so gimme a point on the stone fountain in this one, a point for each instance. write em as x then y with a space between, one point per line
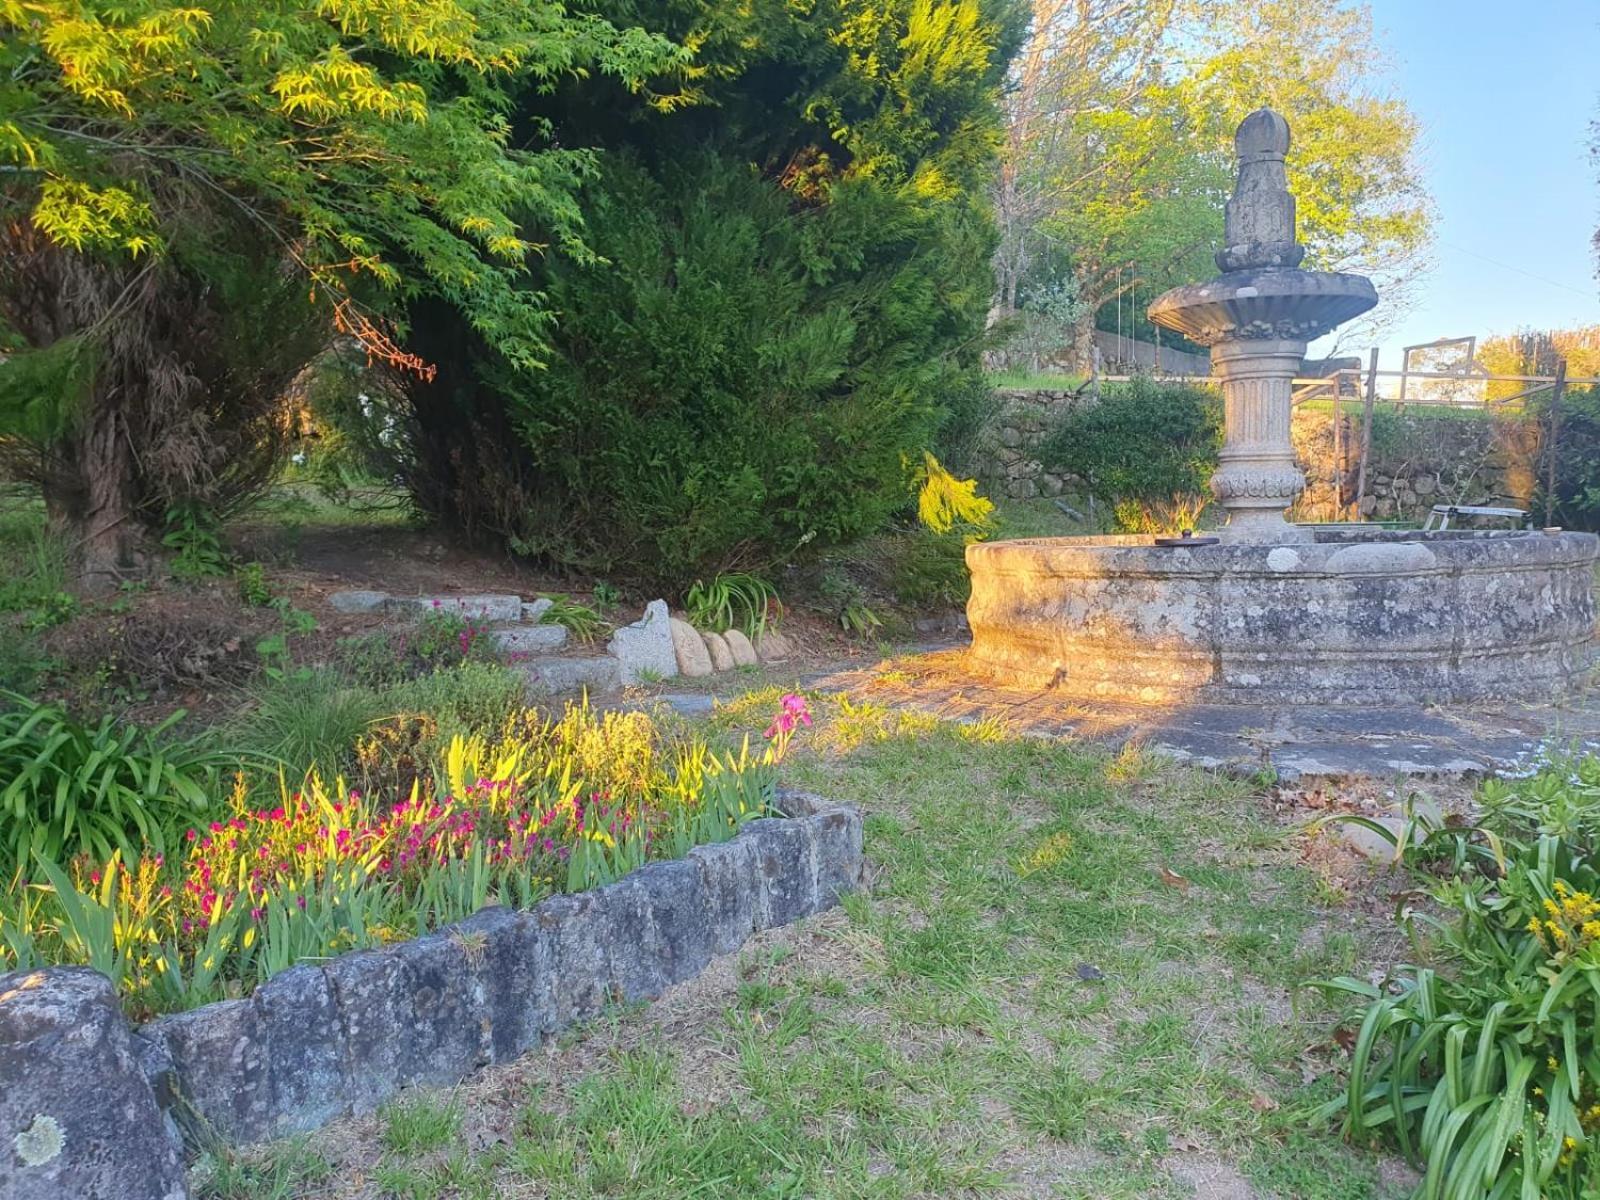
1274 612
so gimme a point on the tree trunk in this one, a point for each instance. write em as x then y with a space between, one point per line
1082 347
89 506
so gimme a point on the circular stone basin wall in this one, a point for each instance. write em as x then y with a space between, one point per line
1369 617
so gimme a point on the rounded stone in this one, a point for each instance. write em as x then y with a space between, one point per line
744 654
694 660
717 647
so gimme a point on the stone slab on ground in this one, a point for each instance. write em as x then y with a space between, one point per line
505 610
690 704
357 600
555 676
529 639
1288 742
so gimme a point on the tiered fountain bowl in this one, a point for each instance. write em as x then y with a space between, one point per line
1270 612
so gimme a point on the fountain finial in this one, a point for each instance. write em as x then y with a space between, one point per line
1259 219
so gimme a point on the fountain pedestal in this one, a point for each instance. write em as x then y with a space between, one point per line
1257 478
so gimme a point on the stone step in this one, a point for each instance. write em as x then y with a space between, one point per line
528 639
555 676
500 609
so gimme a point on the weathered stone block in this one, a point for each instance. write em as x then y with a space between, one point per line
448 1033
786 859
555 676
298 1021
730 876
837 832
356 600
625 924
680 913
529 639
580 967
223 1072
511 958
644 649
78 1120
372 994
499 609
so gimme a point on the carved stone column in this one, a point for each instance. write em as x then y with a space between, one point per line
1257 478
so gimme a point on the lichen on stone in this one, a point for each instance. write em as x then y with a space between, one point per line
39 1142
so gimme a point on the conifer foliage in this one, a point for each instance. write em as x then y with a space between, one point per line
785 303
157 159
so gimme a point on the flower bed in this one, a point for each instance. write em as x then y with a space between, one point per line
333 1034
549 806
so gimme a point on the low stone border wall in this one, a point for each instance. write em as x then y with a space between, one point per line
89 1108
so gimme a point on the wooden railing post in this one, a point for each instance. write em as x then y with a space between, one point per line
1366 430
1552 428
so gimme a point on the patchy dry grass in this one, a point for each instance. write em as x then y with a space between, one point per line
1072 976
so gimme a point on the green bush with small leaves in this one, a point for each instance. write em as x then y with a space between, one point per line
1143 440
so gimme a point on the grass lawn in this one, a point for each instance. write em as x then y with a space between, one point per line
1071 975
1035 380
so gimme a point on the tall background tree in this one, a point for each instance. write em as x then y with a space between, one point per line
193 200
785 308
1119 161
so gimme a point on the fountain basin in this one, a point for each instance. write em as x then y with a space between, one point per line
1350 618
1264 303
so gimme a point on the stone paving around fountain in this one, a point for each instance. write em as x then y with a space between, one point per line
1287 742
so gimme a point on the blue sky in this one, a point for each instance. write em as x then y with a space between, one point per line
1506 91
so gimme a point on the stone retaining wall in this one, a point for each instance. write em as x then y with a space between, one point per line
1005 449
321 1041
1436 457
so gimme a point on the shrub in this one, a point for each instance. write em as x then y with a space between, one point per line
307 719
733 384
928 570
1485 1065
95 789
469 698
785 307
1577 490
1141 441
548 805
